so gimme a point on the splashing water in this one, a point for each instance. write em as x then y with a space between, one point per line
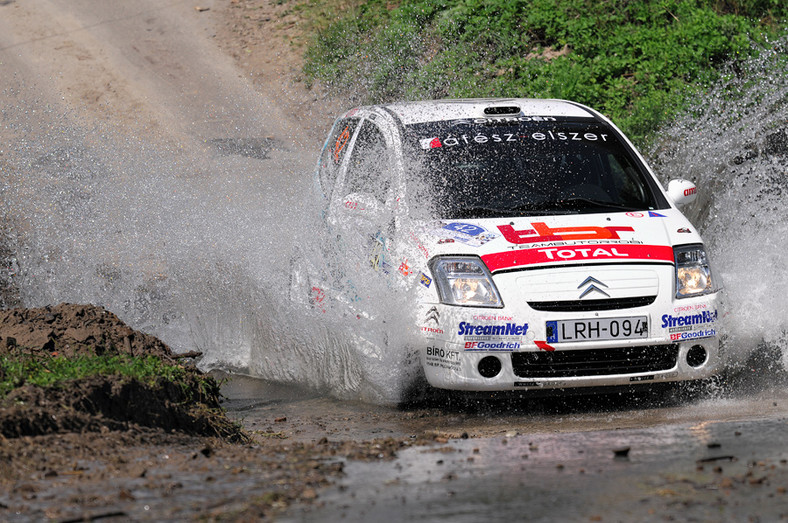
734 145
179 244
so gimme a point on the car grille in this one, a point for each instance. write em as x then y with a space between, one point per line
592 305
594 362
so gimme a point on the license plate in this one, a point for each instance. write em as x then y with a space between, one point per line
632 327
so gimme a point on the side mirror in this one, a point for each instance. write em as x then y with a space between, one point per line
682 192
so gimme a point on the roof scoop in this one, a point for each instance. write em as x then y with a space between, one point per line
499 110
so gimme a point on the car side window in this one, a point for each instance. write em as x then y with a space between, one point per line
629 187
369 170
334 152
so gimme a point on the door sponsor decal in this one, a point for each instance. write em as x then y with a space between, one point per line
340 144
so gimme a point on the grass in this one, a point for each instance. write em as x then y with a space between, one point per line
638 61
24 369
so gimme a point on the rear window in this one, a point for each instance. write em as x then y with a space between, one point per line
469 169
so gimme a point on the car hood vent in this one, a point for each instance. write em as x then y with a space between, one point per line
499 110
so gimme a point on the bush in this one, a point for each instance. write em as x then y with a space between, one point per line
634 60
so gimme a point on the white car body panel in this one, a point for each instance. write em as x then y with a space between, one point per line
602 270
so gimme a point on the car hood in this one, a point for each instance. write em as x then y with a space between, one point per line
525 242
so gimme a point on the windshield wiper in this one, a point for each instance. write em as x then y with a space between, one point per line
531 209
599 204
566 206
476 212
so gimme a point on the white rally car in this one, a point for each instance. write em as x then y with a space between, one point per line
542 250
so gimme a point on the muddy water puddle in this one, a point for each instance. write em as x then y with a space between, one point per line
294 413
706 470
289 412
602 458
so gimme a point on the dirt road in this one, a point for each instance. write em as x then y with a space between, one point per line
202 91
148 67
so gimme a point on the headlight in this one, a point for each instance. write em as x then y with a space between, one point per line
465 280
693 271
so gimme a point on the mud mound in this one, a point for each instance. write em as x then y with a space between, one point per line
189 405
68 330
117 402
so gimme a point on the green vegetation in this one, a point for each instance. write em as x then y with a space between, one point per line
24 369
635 60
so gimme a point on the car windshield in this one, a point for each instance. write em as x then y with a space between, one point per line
489 168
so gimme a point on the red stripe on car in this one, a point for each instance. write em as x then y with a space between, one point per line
574 253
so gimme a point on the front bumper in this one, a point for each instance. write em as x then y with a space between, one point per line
670 352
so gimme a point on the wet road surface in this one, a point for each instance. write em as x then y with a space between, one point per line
604 458
707 471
